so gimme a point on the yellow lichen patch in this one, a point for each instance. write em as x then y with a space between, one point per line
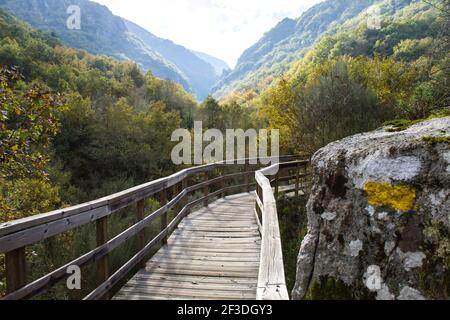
396 196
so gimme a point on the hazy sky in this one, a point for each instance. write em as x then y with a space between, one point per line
222 28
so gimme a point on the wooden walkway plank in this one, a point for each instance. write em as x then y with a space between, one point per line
213 254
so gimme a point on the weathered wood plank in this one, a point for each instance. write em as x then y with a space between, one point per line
217 234
15 269
203 257
219 228
131 294
194 279
207 240
230 214
206 272
191 253
209 263
218 249
271 279
102 238
196 286
244 294
209 252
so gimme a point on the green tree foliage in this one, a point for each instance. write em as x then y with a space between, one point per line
75 127
118 121
338 97
211 113
336 28
28 120
356 78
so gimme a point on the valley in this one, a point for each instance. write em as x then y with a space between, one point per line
91 112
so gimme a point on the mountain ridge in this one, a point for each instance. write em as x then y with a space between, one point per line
279 47
102 32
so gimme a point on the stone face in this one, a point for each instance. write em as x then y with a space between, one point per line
379 216
408 293
329 216
355 248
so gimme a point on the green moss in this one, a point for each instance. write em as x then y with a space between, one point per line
435 140
328 288
434 276
401 124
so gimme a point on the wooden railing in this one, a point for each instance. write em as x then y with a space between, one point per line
271 278
15 236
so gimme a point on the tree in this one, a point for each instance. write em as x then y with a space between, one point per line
28 121
211 113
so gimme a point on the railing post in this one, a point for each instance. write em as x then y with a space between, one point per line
206 191
277 184
297 180
184 185
247 180
163 202
15 269
174 194
222 184
140 214
102 238
260 197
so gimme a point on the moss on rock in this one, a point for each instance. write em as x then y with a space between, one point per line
437 249
401 125
328 288
436 140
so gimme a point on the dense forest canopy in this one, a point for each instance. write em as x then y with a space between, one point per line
359 77
111 124
114 122
342 26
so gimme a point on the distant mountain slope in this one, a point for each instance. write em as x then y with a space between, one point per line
101 33
104 33
200 74
273 54
219 65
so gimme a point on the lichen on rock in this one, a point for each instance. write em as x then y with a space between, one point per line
385 194
379 217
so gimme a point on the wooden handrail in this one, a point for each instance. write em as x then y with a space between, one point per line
16 235
271 277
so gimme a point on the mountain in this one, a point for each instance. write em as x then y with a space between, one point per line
201 74
273 54
104 33
219 65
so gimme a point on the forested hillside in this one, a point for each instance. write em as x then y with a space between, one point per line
376 26
200 74
273 53
77 126
358 78
104 33
112 121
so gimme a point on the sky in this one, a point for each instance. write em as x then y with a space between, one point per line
221 28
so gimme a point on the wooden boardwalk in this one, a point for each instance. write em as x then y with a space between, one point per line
213 254
230 249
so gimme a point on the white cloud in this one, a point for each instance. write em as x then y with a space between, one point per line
222 28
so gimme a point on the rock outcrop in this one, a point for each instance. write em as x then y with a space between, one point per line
379 217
